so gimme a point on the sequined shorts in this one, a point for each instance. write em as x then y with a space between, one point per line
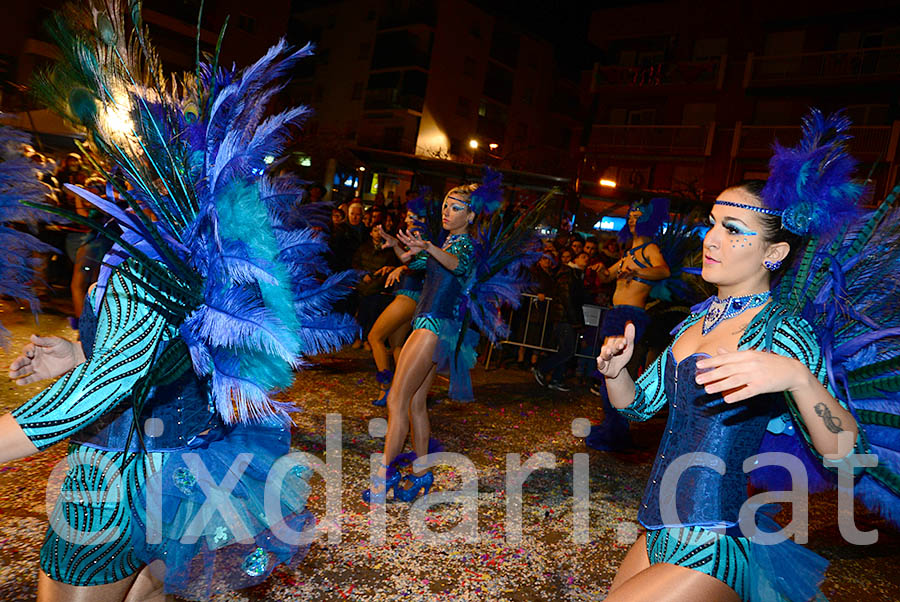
428 323
414 295
724 557
89 538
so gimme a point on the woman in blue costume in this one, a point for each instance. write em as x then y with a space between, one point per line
739 362
99 541
447 269
394 323
195 323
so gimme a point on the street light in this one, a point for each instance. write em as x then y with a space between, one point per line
473 144
361 168
493 146
608 183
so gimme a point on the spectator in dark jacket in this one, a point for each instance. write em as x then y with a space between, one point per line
569 317
374 264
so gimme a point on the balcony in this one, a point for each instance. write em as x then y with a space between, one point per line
869 143
421 12
689 140
393 99
663 75
839 66
387 140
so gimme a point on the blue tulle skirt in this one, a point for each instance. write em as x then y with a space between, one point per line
199 548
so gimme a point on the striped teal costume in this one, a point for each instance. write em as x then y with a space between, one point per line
98 528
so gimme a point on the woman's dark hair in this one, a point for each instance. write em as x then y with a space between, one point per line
773 231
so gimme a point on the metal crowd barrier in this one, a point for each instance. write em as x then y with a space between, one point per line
593 317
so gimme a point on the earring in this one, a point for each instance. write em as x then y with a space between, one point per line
772 265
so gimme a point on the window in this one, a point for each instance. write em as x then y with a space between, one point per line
364 49
246 23
464 107
482 109
642 117
469 66
710 48
521 131
357 91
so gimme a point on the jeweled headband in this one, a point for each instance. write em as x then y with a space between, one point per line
750 207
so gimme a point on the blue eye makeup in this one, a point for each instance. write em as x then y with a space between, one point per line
734 227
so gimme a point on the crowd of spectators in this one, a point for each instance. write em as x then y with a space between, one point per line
566 277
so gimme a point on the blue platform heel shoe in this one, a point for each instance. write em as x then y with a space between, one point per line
380 486
383 377
382 402
410 493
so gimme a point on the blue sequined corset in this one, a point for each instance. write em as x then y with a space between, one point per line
701 423
181 406
443 288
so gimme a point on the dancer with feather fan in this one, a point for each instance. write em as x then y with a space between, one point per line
807 367
196 322
467 279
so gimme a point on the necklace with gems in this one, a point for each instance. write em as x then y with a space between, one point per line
729 307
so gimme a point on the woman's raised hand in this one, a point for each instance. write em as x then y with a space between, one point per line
616 352
740 375
412 240
387 241
45 357
394 276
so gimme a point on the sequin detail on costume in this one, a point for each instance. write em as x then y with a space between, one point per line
255 563
184 480
730 307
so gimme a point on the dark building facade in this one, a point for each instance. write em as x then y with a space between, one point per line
687 97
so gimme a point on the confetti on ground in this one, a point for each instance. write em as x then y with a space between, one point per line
510 416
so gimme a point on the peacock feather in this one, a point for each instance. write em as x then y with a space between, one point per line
226 241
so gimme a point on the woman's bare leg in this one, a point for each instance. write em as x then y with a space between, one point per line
418 416
414 366
398 337
669 583
399 312
142 587
55 591
635 561
147 588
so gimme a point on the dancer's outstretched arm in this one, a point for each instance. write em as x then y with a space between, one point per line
448 259
45 357
128 331
14 443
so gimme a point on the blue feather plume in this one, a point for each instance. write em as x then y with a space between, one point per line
812 183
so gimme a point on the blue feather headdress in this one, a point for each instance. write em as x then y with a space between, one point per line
653 215
488 196
242 268
812 184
